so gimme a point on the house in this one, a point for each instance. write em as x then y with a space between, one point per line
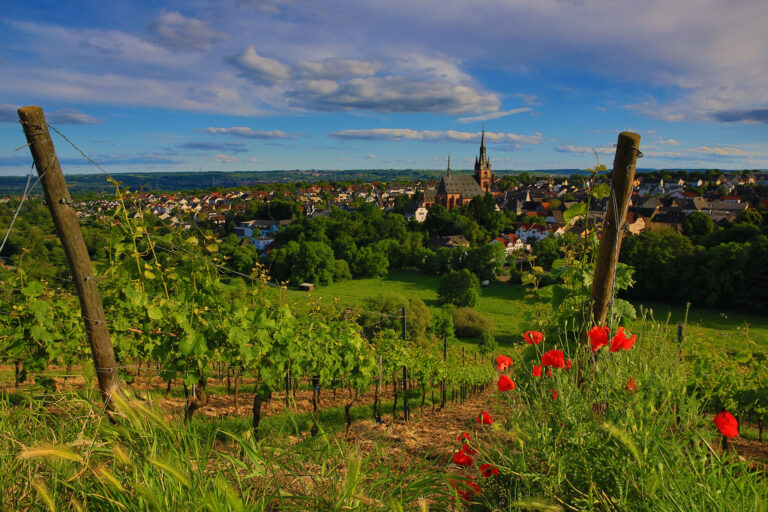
260 232
416 211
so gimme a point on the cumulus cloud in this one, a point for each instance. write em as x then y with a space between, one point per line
177 32
570 148
220 147
337 68
434 136
394 94
247 132
262 70
671 142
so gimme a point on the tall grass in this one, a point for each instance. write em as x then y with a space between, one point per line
601 446
67 456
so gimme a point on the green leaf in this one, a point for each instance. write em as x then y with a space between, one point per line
559 294
575 210
601 191
33 289
743 356
154 312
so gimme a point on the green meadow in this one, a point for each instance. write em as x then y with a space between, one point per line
505 304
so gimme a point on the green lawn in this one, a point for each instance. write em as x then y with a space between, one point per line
501 302
504 304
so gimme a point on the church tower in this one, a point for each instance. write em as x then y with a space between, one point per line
483 174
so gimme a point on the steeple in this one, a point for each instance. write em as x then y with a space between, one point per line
448 172
483 158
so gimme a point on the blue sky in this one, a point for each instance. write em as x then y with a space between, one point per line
298 84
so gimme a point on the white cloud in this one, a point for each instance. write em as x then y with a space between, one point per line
225 159
570 148
177 32
727 151
435 136
494 115
263 70
72 116
337 69
247 132
671 142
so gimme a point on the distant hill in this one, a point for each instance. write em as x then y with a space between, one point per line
173 181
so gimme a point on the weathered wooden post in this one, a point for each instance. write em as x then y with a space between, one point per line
623 177
60 204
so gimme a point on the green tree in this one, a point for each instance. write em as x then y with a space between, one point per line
698 225
369 263
547 250
460 288
315 264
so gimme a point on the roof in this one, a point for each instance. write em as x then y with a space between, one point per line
462 184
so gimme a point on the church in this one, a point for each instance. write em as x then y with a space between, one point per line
460 189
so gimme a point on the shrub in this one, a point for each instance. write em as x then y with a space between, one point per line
459 287
341 272
487 343
469 323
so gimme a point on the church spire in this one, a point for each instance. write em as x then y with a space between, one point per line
449 165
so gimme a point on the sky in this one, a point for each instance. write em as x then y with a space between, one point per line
235 85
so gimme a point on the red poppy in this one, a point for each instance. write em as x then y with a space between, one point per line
466 489
620 341
553 358
484 418
462 458
489 470
727 424
568 364
462 436
630 385
533 337
503 362
536 371
505 383
468 450
598 337
553 395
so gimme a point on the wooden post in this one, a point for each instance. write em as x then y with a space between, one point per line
627 151
406 411
60 204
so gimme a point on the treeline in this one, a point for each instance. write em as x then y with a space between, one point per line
724 267
368 242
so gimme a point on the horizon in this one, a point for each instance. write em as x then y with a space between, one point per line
259 85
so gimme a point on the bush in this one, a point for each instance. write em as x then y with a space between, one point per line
459 287
487 343
469 323
341 272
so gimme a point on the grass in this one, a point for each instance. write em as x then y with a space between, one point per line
501 302
505 304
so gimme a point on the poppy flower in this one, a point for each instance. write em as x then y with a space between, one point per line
553 358
727 424
598 337
505 383
489 470
620 341
568 364
484 418
462 436
503 362
630 385
468 450
466 489
533 337
462 458
553 394
536 371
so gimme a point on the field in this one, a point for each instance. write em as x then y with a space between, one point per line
505 304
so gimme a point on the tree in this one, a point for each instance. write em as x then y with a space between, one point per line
315 264
750 217
698 225
546 250
460 288
369 263
418 320
486 260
